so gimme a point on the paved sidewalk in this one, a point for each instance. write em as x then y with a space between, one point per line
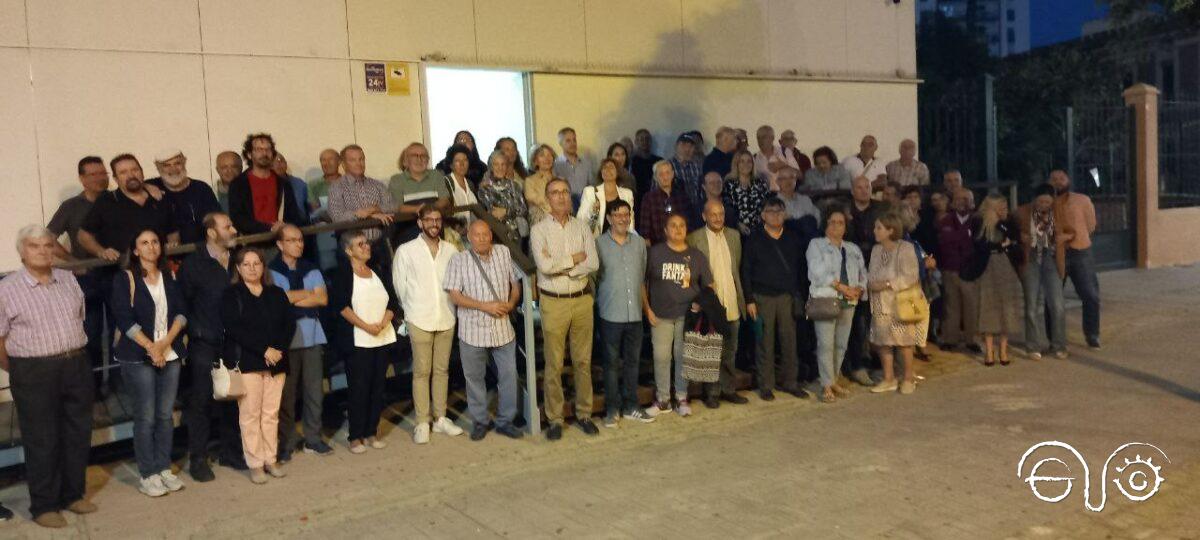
938 464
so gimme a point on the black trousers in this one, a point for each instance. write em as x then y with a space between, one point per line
366 370
203 410
54 409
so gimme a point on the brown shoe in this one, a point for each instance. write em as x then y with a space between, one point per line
82 507
275 470
257 475
51 520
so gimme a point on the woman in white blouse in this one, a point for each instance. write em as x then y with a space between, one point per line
460 186
595 198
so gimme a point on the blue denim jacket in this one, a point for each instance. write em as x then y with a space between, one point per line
825 264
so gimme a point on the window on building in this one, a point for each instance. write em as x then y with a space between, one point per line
1012 15
1012 36
455 103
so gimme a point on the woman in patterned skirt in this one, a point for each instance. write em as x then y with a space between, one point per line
893 269
1000 302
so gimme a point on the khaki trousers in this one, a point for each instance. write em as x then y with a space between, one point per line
567 321
431 354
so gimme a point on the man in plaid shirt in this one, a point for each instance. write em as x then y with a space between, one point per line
660 203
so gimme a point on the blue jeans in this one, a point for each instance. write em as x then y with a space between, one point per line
1081 268
153 392
1043 290
474 363
667 341
832 337
622 350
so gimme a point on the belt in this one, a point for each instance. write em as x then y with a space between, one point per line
585 292
61 356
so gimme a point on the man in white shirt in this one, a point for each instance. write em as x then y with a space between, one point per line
864 163
768 160
418 273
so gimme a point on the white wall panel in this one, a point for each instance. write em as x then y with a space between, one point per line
275 27
822 32
18 153
724 35
12 24
625 34
872 50
532 32
302 118
906 39
133 25
385 124
100 103
411 29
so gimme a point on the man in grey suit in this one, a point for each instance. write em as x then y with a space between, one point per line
723 248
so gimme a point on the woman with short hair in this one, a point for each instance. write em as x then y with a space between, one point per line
620 155
542 159
894 268
504 199
476 166
826 174
835 270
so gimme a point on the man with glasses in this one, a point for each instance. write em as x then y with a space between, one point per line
418 274
417 185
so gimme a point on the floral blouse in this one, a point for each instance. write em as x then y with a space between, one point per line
505 193
747 200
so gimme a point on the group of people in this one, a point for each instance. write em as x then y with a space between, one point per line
792 262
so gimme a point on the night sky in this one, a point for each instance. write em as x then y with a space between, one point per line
1052 21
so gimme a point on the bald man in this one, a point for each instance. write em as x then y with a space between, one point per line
722 246
907 171
318 190
229 166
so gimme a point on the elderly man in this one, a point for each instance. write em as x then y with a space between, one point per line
659 204
418 275
722 246
482 283
768 159
797 205
865 164
189 199
229 166
1078 217
956 233
687 171
907 171
414 186
861 230
318 190
714 186
576 169
565 254
357 196
260 200
952 180
721 157
792 155
41 346
642 162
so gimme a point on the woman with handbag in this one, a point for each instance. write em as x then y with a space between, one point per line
594 201
367 307
899 312
837 279
148 309
258 331
1000 302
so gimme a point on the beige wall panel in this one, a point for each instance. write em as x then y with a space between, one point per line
12 24
785 36
906 39
410 29
275 27
725 35
134 25
872 51
18 153
531 32
821 31
94 102
634 34
385 124
603 109
302 118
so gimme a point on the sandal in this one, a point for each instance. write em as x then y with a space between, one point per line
828 396
839 391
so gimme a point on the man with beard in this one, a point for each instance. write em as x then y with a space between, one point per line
259 200
118 215
189 199
229 166
1078 217
418 273
203 277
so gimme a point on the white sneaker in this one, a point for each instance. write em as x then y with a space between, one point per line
421 433
152 487
378 444
170 481
444 425
357 448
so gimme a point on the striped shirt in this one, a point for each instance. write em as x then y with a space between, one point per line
554 245
350 194
38 319
475 327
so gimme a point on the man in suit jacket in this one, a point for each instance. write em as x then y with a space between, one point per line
723 248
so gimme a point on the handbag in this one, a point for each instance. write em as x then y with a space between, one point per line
822 309
702 354
227 383
911 305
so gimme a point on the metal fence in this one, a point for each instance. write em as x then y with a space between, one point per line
1179 154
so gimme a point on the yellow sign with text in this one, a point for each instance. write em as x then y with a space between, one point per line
399 76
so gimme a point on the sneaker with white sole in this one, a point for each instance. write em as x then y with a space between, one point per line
444 425
358 448
612 421
683 409
659 408
378 444
152 486
1035 356
885 386
641 415
421 433
170 481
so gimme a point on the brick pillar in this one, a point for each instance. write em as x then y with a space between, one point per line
1144 100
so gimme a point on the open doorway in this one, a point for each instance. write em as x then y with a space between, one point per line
489 103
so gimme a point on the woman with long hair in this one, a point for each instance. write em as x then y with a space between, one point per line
476 168
148 308
535 184
998 239
620 155
746 191
508 146
460 186
594 201
258 333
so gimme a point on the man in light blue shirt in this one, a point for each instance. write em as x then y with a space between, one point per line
622 267
577 170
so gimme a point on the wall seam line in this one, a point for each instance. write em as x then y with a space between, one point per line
204 93
37 144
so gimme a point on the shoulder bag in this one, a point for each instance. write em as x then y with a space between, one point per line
227 383
911 305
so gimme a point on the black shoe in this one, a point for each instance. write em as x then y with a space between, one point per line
1094 344
284 456
975 348
588 427
554 432
201 472
234 463
5 514
797 391
712 402
510 432
767 395
479 432
735 398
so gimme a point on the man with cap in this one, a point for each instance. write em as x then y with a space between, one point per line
188 199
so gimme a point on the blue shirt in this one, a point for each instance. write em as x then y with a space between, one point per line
622 267
309 332
825 266
300 190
